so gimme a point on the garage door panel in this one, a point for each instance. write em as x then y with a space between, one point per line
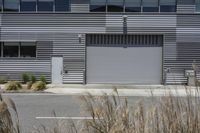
138 65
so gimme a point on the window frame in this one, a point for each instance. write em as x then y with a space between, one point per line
99 6
69 7
14 11
21 1
175 7
117 6
19 50
197 4
34 44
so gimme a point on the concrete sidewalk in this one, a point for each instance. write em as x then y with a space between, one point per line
123 90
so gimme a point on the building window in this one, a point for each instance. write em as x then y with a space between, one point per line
28 5
133 5
167 5
11 5
185 2
80 1
27 49
17 49
115 5
62 5
198 5
1 5
150 6
45 5
11 49
98 5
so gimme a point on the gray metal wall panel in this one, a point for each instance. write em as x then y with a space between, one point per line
186 8
122 65
73 52
187 48
14 68
44 50
63 30
52 22
115 20
80 8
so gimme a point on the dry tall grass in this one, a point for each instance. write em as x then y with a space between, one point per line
9 123
111 114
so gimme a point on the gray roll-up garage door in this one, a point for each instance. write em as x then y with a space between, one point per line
135 59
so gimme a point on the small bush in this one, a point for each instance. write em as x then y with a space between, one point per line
25 78
38 86
29 85
33 79
13 85
43 79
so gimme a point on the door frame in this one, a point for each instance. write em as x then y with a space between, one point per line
62 67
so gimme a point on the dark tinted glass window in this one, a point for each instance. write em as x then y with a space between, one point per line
28 50
11 50
1 5
11 5
198 5
28 5
115 5
185 2
98 5
45 5
80 1
61 5
167 5
150 6
133 5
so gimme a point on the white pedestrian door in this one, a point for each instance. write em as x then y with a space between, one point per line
57 70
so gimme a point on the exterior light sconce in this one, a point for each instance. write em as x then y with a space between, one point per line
79 37
125 18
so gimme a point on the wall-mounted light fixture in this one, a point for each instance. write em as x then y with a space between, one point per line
125 18
79 37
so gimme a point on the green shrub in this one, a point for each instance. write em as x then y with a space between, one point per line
25 78
33 78
13 85
38 86
43 79
29 85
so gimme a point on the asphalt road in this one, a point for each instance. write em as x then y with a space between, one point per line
37 109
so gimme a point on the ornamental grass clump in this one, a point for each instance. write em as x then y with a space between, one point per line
13 85
8 124
38 86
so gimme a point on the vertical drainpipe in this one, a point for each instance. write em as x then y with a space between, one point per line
125 30
84 70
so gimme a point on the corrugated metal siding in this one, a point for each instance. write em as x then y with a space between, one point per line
44 50
73 52
60 29
187 48
186 8
13 69
80 8
60 34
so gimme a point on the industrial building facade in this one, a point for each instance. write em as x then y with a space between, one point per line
100 41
